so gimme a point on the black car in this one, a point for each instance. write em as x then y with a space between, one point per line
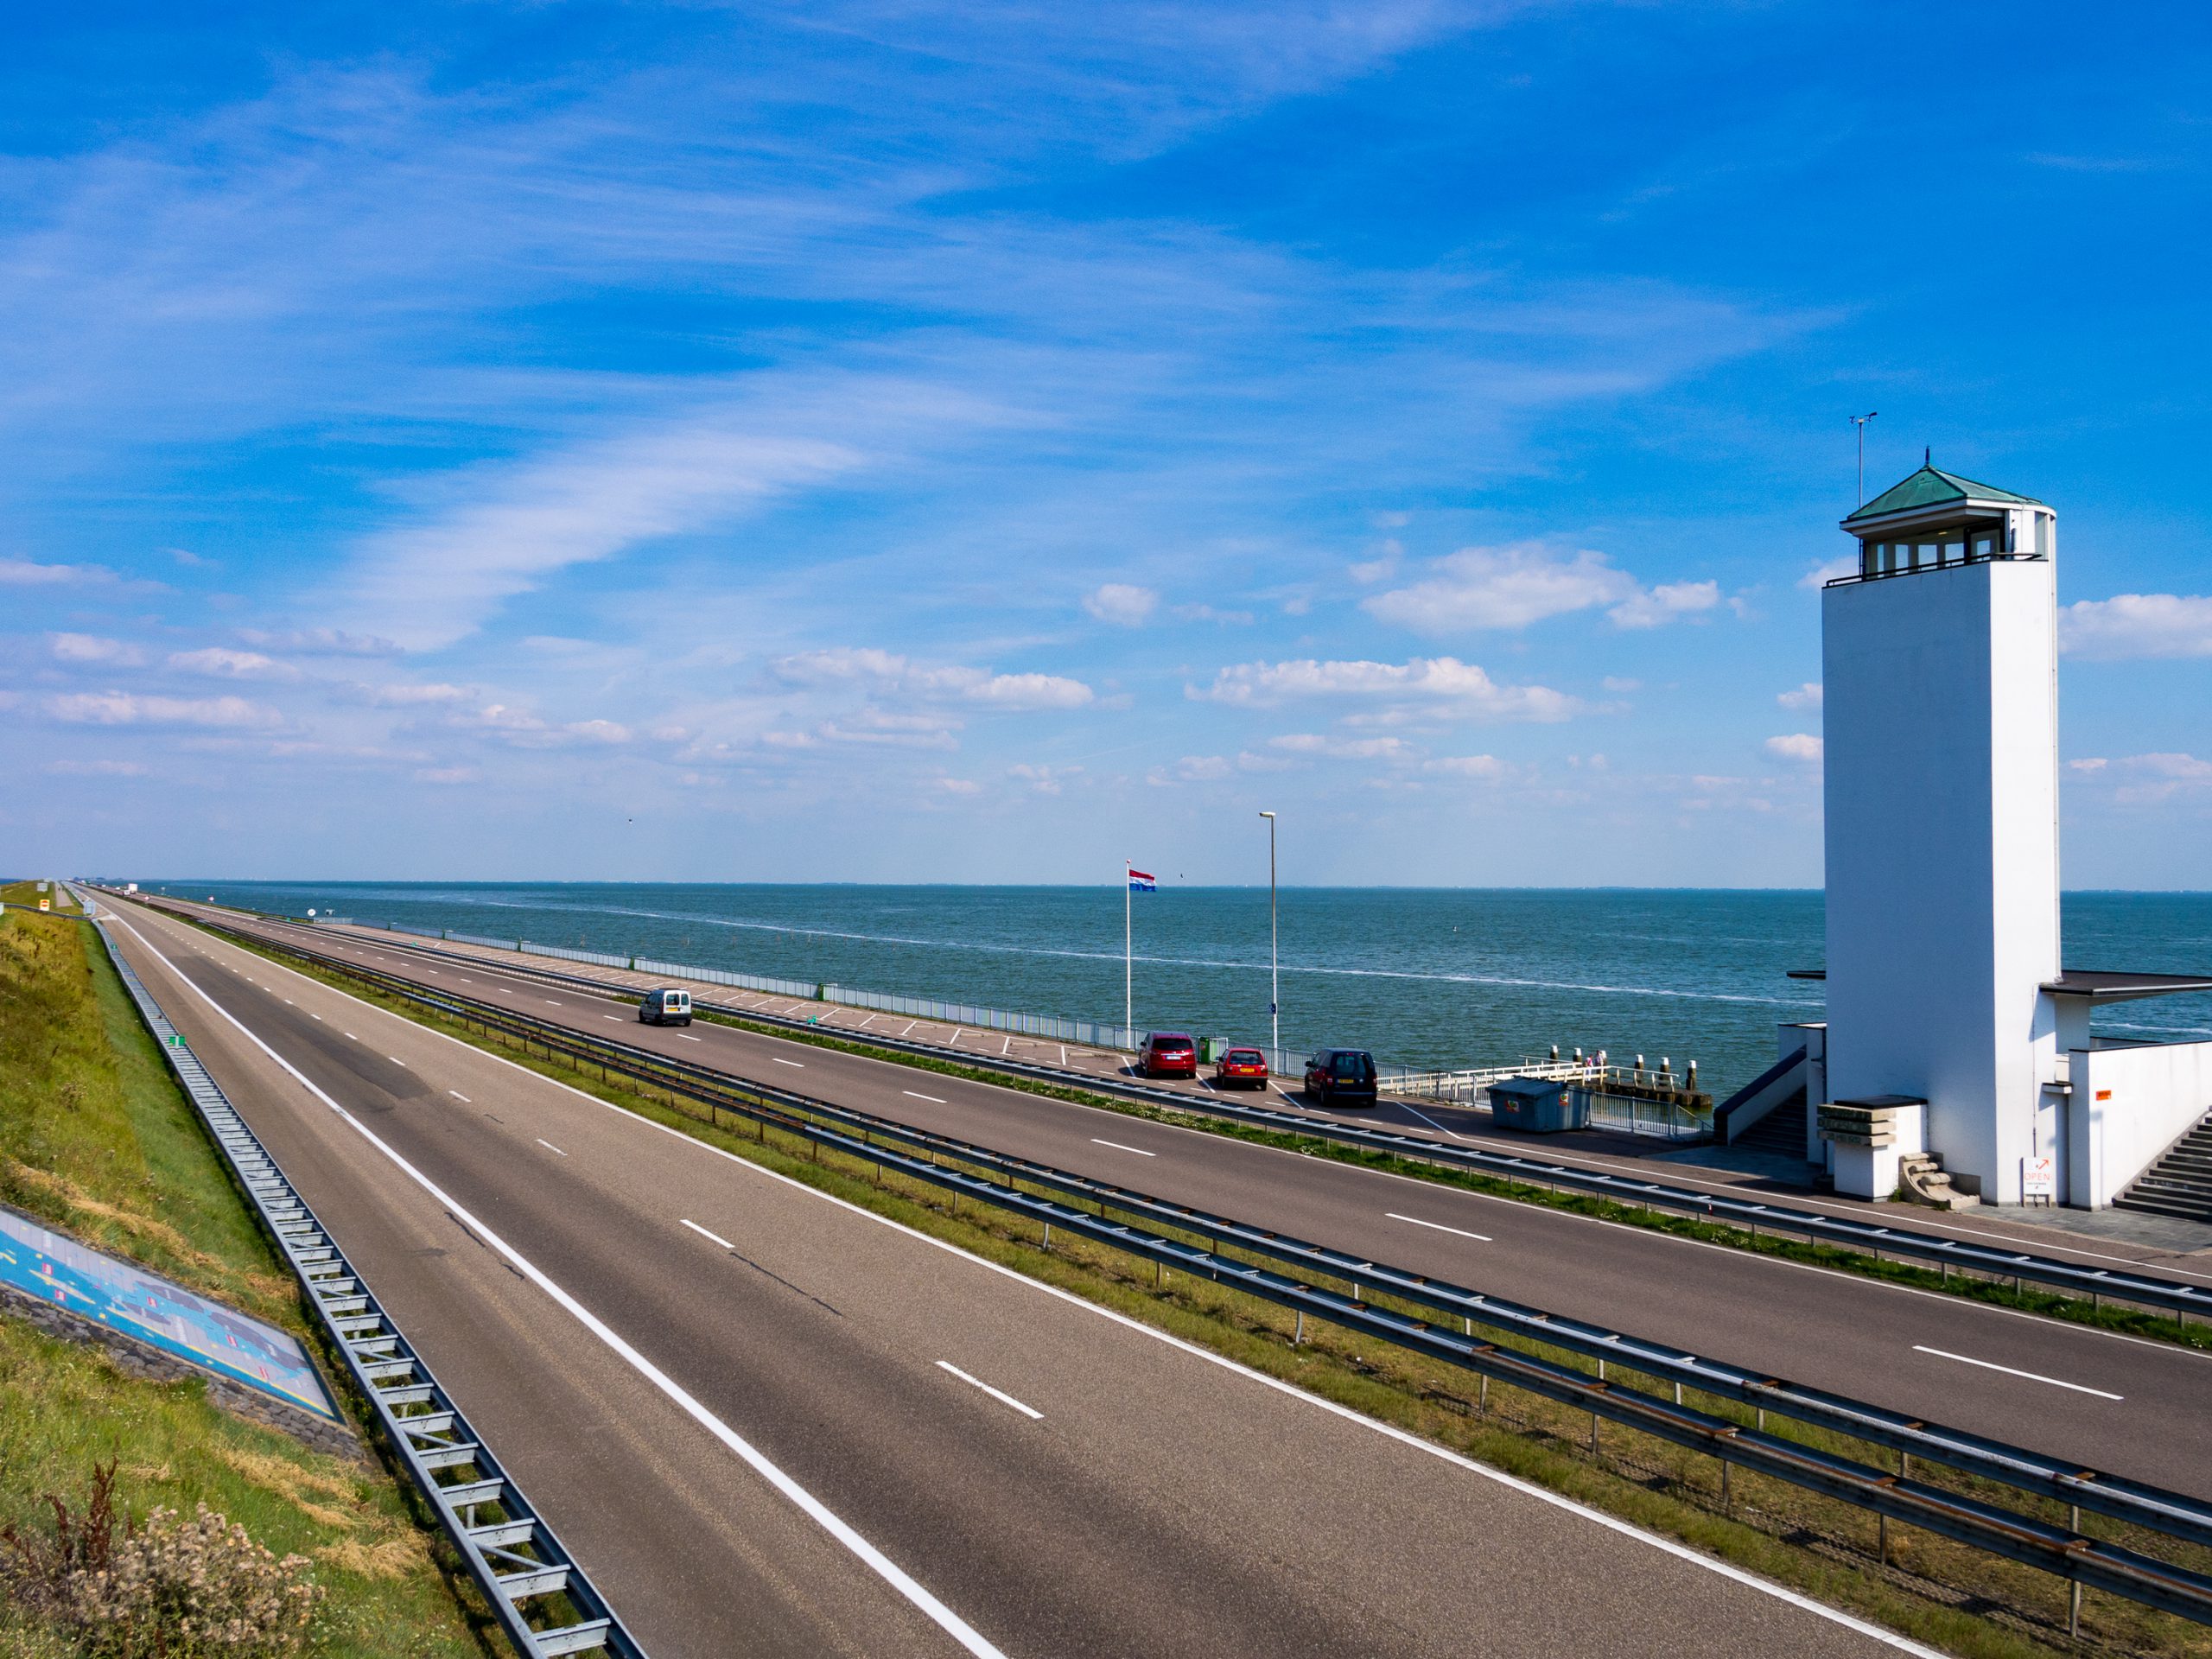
1341 1076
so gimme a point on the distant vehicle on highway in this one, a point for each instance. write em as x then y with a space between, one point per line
666 1007
1241 1068
1168 1054
1341 1076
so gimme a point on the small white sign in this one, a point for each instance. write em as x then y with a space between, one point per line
2039 1178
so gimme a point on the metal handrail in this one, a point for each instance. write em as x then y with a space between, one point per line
510 1550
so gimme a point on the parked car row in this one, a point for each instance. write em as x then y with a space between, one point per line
1334 1077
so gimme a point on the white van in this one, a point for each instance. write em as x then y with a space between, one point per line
666 1007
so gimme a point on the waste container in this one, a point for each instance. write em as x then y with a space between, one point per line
1542 1105
1212 1049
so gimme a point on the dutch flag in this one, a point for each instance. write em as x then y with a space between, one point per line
1140 882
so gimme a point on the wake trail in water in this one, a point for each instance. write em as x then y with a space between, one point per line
1309 971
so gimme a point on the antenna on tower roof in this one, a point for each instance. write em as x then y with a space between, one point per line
1926 451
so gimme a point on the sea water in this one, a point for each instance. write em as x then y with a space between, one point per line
1428 977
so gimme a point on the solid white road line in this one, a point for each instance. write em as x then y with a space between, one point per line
780 1060
717 1237
458 1096
881 1565
549 1145
1030 1412
2032 1376
1483 1238
1433 1124
1118 1146
911 1094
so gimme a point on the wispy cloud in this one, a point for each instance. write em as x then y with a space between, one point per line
1511 587
122 708
1440 684
2130 626
431 583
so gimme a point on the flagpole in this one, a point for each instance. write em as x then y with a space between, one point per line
1128 974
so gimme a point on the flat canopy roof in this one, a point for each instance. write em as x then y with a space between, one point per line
2096 984
2104 986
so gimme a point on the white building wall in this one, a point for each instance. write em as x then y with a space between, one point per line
1942 852
2128 1105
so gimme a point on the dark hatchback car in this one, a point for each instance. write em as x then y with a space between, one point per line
1168 1054
1341 1077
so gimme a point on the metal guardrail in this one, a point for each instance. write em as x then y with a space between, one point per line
512 1554
1891 1493
2165 1295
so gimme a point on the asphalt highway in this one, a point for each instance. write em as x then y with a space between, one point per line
2123 1404
832 1435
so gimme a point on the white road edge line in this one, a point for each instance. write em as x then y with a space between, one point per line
911 1094
780 1060
1118 1146
1390 1430
549 1145
2032 1376
1481 1237
704 1233
458 1096
1003 1398
881 1565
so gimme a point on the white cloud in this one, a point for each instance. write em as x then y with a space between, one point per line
446 774
1844 565
1191 769
1045 780
96 768
2147 780
957 785
1342 748
90 648
1466 766
220 664
120 709
887 672
24 572
525 730
1797 746
1666 603
401 694
1444 684
322 642
1808 696
429 584
1614 683
1503 587
1120 603
2137 624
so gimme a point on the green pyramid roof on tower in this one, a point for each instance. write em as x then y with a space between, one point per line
1930 487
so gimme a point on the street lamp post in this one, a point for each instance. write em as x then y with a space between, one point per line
1275 976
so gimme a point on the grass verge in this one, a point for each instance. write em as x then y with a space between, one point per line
1947 1595
97 1140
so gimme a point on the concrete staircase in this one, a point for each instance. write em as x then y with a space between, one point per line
1922 1179
1781 1131
2179 1184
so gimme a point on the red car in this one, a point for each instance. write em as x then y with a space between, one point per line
1168 1054
1241 1068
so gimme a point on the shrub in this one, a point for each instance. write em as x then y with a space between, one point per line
164 1588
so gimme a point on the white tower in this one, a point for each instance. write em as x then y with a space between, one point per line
1939 659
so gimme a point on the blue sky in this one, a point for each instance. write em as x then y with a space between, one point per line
984 443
